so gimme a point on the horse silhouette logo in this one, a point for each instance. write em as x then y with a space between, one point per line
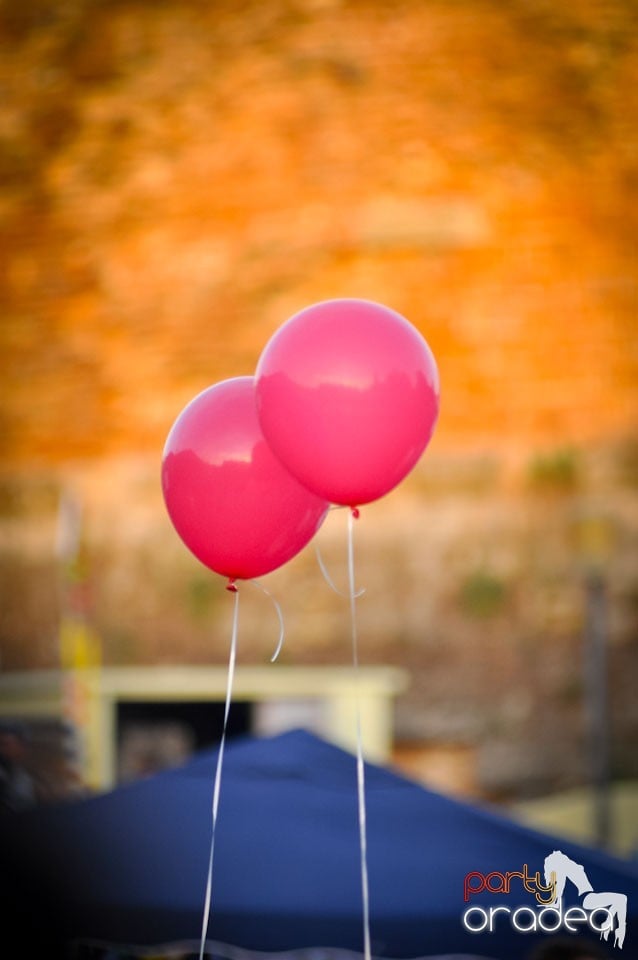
559 868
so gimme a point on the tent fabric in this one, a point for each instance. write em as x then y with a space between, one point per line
130 866
92 950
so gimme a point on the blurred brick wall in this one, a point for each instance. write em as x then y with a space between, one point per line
179 178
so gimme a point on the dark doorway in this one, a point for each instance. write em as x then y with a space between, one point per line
152 736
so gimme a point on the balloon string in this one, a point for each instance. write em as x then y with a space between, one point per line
361 795
218 771
279 615
329 580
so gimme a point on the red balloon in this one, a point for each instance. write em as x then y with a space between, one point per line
347 397
230 499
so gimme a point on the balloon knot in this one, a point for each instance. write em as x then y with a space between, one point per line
232 586
355 513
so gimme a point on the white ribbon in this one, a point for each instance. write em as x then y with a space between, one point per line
363 843
279 615
218 773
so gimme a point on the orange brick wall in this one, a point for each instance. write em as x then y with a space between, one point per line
180 178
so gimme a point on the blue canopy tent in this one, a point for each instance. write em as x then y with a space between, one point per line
130 865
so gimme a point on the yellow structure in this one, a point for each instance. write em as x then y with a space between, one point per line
327 697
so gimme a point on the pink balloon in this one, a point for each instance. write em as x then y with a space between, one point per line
348 396
230 499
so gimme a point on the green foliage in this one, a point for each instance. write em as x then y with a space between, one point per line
200 598
571 691
122 646
558 471
482 594
627 463
32 497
